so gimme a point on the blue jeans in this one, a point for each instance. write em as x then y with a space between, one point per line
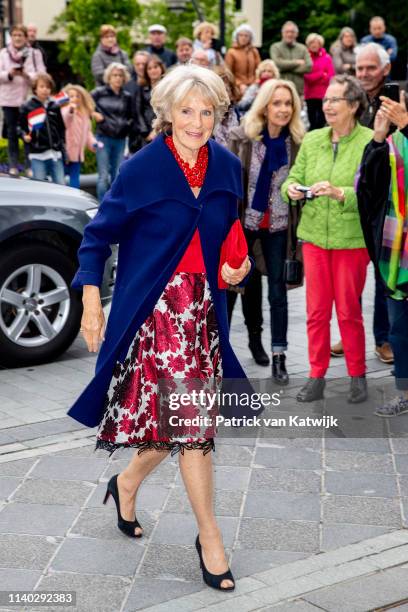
274 247
398 314
108 160
42 169
381 324
73 169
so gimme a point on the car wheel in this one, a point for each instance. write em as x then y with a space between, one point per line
39 313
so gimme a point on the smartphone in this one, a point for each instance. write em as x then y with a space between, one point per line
392 91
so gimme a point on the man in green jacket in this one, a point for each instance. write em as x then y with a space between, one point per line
292 58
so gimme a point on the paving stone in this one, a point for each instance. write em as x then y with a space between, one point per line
102 523
403 480
26 552
66 493
287 458
366 445
268 534
80 451
309 444
359 462
278 479
149 497
167 562
400 445
366 593
96 593
282 505
402 464
98 556
246 562
164 474
36 519
361 483
17 468
181 529
338 535
146 593
18 579
362 510
69 468
229 454
8 485
227 503
293 606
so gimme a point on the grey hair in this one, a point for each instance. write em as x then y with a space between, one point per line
176 85
373 47
244 27
353 91
116 66
292 23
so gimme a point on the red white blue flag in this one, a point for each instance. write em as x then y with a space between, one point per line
60 98
36 119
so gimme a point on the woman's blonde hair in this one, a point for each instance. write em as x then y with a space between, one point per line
255 119
175 86
116 66
88 103
265 65
314 36
202 26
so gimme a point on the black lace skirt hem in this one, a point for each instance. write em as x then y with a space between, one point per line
173 447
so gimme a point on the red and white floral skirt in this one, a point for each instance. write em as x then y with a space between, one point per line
175 352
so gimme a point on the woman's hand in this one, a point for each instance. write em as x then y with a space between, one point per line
27 138
324 188
293 193
381 126
93 318
233 276
98 117
395 112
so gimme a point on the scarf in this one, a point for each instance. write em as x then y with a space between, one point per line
18 55
276 156
393 263
111 50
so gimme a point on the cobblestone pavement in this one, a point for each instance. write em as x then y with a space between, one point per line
279 502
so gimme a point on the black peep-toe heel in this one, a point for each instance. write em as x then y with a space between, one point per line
128 527
214 580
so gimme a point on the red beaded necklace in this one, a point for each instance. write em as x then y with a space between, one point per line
195 175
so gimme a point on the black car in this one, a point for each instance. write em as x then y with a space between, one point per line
41 228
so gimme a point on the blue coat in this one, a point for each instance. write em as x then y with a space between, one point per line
151 212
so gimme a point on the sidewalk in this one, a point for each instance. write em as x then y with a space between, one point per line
289 509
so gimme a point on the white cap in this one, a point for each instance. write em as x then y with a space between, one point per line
156 27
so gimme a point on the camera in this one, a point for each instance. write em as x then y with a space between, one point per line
306 191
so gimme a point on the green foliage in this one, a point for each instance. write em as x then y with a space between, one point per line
81 21
182 24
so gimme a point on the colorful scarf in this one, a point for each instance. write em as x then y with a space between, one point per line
393 262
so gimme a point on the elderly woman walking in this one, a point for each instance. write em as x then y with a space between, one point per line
267 144
168 321
334 252
113 116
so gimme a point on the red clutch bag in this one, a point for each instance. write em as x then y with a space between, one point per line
234 250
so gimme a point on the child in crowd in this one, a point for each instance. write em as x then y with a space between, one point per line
77 119
42 128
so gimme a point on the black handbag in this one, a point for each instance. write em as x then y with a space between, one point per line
293 268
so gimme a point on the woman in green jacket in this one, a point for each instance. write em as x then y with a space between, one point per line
334 250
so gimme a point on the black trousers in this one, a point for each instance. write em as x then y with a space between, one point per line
315 113
11 114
